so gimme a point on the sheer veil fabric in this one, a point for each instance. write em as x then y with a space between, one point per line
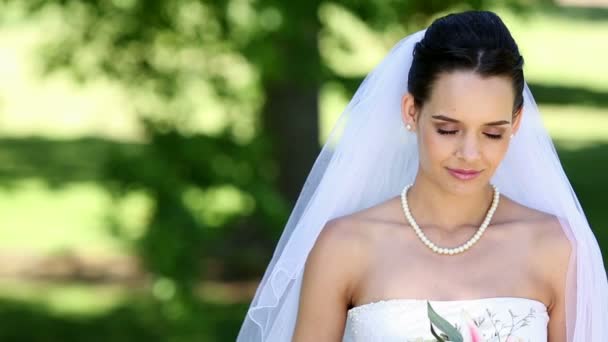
369 157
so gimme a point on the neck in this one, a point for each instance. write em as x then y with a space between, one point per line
433 206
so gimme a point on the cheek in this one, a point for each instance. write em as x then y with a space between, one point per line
495 152
435 148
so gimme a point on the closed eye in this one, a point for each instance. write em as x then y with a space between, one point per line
493 136
446 132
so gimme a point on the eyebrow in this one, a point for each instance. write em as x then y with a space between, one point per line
494 123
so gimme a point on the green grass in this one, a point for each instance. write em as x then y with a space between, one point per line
46 220
67 299
72 218
68 312
576 124
560 48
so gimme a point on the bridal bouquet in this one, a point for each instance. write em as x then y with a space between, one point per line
451 333
469 331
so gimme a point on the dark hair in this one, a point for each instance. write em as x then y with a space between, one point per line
471 40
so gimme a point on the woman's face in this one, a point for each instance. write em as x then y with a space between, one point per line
464 129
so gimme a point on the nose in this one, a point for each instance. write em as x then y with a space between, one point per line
469 147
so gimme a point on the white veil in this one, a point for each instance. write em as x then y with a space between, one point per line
369 157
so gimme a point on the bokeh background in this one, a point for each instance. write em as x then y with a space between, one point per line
151 151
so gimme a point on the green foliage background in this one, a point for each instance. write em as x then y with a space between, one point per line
229 102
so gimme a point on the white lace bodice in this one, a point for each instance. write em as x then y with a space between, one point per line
498 319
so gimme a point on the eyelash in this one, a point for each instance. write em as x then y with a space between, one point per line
491 136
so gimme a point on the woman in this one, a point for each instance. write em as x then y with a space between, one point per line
438 184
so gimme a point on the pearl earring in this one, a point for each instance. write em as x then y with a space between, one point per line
512 135
409 127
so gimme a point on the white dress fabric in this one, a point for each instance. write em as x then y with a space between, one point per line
504 319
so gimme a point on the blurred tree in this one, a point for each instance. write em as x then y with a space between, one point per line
184 63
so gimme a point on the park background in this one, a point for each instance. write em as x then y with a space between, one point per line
151 151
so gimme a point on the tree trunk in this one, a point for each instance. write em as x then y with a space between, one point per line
291 119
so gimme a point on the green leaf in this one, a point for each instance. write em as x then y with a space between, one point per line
439 338
445 326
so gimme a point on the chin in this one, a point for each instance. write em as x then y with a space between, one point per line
465 187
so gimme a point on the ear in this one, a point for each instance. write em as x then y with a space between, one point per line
408 111
517 119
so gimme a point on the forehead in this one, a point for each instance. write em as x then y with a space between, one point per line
469 97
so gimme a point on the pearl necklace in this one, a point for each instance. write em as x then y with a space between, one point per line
450 251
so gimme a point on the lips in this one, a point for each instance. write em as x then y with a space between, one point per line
464 174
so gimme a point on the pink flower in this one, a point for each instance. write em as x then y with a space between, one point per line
475 334
470 331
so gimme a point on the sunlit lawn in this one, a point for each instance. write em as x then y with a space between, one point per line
66 299
39 219
45 220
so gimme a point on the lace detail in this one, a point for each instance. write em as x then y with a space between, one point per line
498 319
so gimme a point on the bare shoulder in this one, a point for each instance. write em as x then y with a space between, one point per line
544 227
347 240
343 235
338 253
550 242
548 233
330 272
554 249
356 227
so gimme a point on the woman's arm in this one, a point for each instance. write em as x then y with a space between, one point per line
329 274
556 250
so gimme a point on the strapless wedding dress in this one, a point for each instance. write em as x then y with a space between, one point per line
498 319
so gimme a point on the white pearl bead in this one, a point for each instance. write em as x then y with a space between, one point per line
459 249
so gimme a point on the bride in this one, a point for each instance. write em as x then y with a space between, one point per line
438 192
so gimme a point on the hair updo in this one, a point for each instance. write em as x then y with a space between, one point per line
473 40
